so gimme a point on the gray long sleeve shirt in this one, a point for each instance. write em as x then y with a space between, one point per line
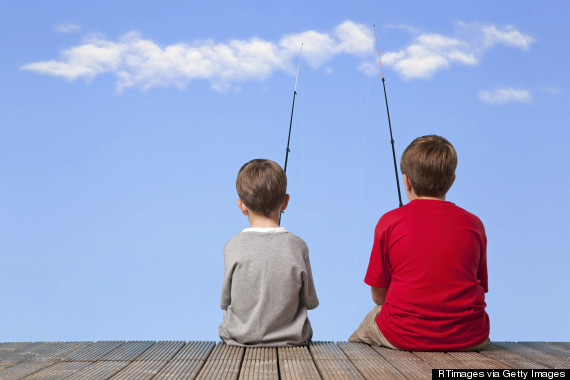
267 289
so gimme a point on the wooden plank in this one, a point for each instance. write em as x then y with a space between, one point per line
296 363
99 371
298 370
294 353
440 360
40 351
161 351
21 353
12 345
476 360
551 349
391 354
326 350
223 363
220 370
140 370
180 370
128 351
21 370
259 363
195 351
332 363
534 354
9 347
55 351
92 352
368 362
8 351
224 352
406 363
510 358
564 345
3 366
338 369
260 353
58 371
358 351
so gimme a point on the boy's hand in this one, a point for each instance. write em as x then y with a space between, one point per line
379 295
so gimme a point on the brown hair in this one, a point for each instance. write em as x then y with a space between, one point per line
261 184
430 163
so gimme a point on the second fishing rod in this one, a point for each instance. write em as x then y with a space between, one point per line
389 122
287 150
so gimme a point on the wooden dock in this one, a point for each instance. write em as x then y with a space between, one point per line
143 360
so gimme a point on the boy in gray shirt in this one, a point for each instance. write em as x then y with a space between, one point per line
268 286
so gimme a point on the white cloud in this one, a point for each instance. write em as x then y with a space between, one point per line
505 95
369 68
318 48
354 38
142 63
508 36
430 52
552 90
328 70
67 28
405 28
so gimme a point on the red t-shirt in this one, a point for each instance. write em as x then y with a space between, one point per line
431 255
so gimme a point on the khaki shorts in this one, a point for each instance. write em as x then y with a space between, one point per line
369 333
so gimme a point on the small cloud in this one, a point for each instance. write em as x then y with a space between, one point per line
552 90
505 96
368 68
405 28
328 70
67 28
508 36
432 52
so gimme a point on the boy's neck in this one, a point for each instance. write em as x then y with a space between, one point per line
433 198
262 221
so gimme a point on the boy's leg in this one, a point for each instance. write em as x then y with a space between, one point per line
368 331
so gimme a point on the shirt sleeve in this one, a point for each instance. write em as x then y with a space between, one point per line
308 291
482 275
227 283
379 273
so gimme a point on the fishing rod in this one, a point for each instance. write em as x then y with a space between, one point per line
291 121
389 123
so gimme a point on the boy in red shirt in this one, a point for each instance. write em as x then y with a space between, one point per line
428 266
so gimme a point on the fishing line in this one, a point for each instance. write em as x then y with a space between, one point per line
362 162
302 152
389 123
291 121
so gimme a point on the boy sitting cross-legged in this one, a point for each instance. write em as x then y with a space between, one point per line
428 266
267 286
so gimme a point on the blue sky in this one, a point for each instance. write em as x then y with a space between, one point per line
123 126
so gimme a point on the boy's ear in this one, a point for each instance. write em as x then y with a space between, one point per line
242 207
285 202
407 182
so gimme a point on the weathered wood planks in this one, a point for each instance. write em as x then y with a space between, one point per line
296 363
178 360
368 362
332 363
